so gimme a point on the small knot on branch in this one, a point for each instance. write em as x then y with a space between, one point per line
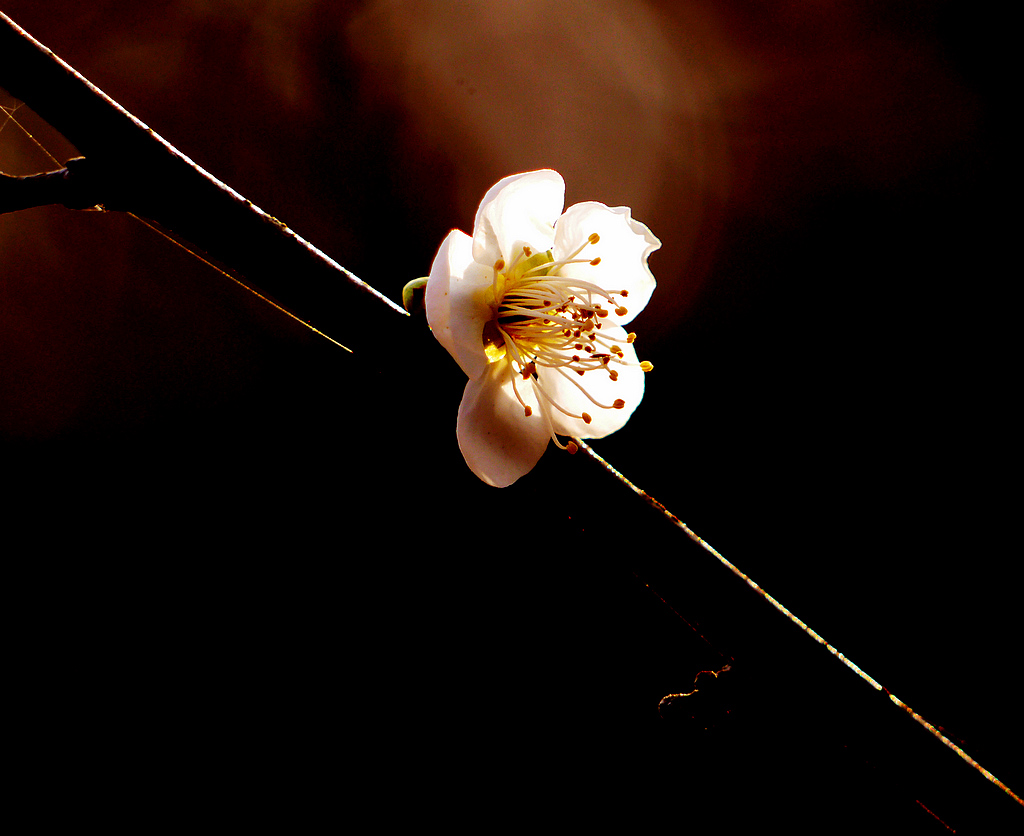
72 186
705 707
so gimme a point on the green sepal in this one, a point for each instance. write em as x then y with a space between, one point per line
414 296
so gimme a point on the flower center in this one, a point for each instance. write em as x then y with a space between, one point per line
543 320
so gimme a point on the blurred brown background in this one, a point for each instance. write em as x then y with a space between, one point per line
830 405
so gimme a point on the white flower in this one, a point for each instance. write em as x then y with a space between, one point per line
532 308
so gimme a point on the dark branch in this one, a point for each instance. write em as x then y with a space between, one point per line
130 168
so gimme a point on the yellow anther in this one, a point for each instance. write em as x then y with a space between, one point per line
630 337
619 403
614 375
586 418
593 238
595 262
621 311
647 365
499 265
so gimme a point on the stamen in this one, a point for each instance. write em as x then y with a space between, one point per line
570 446
544 320
587 394
515 391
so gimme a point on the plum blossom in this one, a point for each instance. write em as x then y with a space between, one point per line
532 307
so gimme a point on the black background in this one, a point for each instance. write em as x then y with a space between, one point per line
248 568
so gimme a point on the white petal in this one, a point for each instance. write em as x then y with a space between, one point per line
567 390
624 247
519 210
499 442
454 311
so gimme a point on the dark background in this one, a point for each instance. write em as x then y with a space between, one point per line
243 563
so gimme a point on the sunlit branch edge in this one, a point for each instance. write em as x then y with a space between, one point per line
661 509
